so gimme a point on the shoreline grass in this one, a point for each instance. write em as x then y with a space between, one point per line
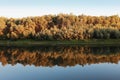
59 42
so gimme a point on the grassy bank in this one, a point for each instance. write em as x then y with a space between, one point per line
66 42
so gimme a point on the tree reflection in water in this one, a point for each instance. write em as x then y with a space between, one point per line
59 55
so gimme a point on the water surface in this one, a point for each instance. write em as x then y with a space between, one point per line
60 63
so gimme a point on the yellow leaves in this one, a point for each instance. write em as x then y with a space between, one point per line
14 35
20 28
26 33
64 26
2 22
1 33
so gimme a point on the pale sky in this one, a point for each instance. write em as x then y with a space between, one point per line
24 8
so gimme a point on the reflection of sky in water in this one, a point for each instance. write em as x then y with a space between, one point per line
103 71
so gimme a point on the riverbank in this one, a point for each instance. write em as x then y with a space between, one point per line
65 42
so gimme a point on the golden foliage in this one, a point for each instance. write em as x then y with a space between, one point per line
60 27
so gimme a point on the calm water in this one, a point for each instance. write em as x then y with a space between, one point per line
60 63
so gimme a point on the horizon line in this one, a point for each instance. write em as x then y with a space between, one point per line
58 14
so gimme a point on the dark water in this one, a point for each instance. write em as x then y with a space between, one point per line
60 63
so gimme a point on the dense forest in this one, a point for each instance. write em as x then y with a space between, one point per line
60 27
59 55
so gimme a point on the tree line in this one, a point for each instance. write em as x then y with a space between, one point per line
61 27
